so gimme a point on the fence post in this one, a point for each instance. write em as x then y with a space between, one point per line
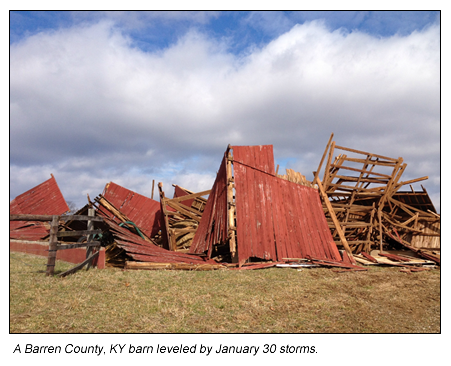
90 226
53 241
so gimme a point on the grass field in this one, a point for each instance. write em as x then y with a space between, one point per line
275 300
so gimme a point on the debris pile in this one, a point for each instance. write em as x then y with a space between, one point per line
364 192
352 214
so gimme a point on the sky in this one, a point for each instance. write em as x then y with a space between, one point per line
132 97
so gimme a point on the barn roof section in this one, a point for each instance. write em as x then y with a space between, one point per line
28 230
419 200
44 199
143 211
275 219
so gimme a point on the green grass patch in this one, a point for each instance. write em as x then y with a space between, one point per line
275 300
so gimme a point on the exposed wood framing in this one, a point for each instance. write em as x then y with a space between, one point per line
231 207
361 188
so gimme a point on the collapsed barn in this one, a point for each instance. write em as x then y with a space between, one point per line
351 214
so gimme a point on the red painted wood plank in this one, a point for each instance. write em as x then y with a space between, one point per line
213 226
242 211
268 217
312 219
280 220
244 237
257 207
299 236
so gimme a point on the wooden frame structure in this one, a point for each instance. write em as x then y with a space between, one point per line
361 189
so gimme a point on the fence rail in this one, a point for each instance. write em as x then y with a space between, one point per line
54 245
26 217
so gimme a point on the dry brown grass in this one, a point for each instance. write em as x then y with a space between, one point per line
318 300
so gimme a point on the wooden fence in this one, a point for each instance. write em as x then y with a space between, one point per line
55 245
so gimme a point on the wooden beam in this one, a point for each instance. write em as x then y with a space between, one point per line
400 184
61 246
61 234
334 219
364 153
375 162
364 171
173 266
322 159
230 208
189 196
26 217
79 266
183 210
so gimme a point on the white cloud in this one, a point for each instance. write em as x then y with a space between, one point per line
87 103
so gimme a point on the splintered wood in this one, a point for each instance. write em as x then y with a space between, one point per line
182 215
295 177
362 201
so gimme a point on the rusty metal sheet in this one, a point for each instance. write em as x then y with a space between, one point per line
44 199
144 212
276 219
213 227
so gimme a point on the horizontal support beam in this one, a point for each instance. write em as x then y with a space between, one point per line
78 245
61 234
363 171
25 217
364 153
189 196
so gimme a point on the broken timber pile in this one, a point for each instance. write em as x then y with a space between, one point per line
181 216
362 190
125 248
138 228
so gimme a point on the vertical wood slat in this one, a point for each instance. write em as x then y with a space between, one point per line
90 226
322 159
327 167
379 215
53 241
165 232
